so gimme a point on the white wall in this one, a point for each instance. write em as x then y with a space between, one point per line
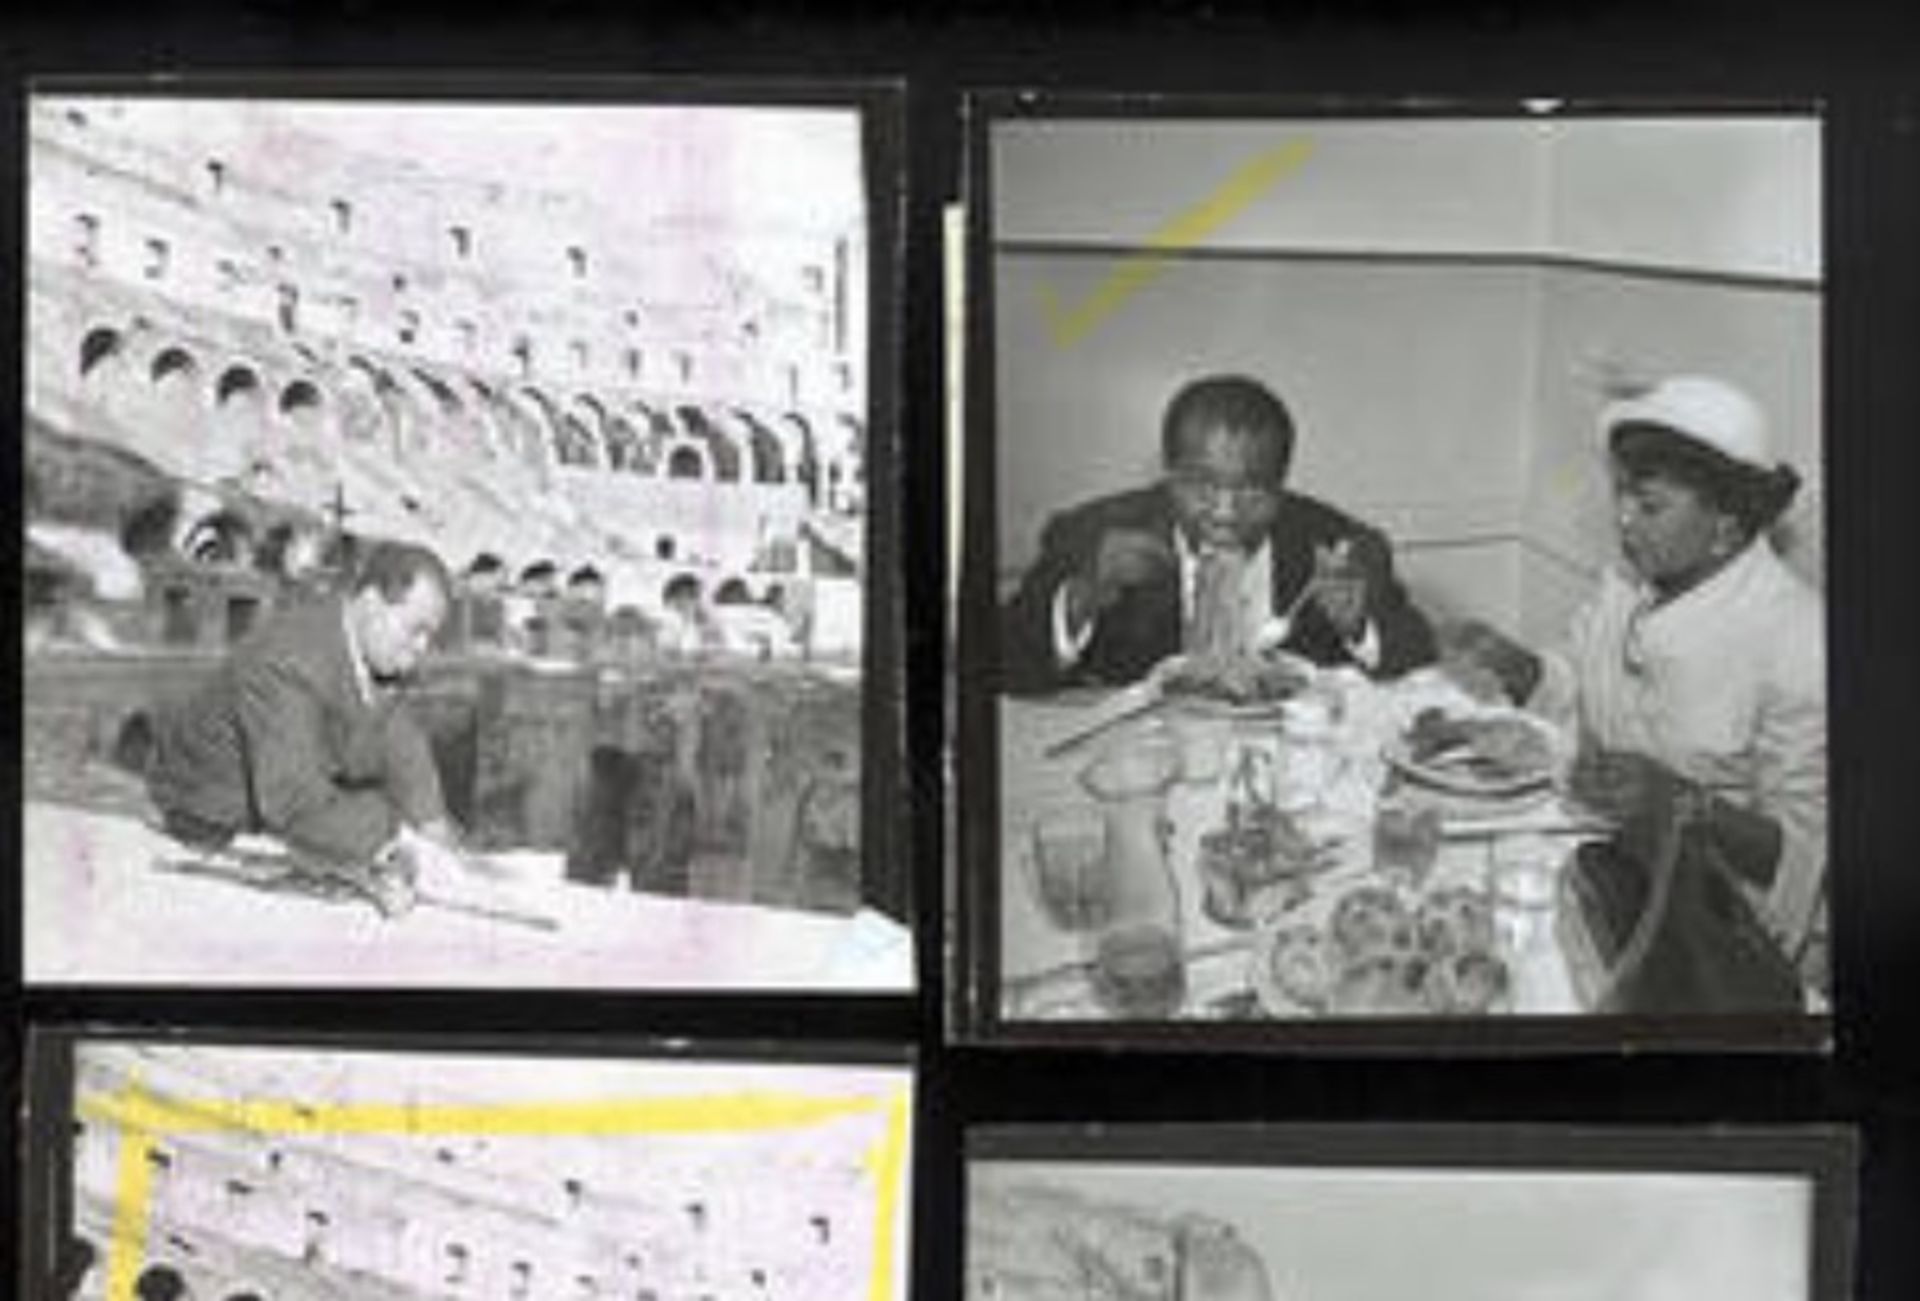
1409 386
1379 185
1712 195
1450 401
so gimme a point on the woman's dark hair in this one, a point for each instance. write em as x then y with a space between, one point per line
1753 497
1231 402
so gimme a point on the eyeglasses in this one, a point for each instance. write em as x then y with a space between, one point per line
1240 496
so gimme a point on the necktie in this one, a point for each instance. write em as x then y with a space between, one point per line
1217 622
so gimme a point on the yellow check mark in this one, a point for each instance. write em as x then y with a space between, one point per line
1233 195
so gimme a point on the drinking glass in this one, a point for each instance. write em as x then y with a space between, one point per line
1406 843
1525 880
1069 862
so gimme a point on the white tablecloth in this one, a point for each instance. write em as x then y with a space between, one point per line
1039 961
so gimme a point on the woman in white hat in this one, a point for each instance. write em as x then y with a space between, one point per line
1698 669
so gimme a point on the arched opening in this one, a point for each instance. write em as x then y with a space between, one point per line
100 343
623 445
768 456
236 381
721 448
685 463
171 362
301 395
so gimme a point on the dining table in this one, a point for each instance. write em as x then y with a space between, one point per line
1336 773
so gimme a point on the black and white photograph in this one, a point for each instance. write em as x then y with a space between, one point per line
1361 1215
450 539
1394 588
222 1170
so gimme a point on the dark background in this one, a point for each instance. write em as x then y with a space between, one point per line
1864 64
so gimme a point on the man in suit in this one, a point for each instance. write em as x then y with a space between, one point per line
1123 582
301 734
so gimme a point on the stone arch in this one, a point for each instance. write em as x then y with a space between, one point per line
301 395
625 448
362 416
807 467
238 381
98 345
686 460
723 451
173 360
572 443
766 453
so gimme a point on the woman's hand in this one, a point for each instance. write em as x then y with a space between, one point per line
1635 792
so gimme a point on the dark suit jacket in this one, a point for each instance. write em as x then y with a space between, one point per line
1143 627
279 739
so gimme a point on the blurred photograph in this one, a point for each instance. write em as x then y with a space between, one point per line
1170 1227
1406 596
193 1170
446 533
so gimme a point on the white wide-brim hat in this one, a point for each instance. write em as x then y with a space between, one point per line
1709 411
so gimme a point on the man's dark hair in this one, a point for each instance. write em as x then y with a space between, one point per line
1231 402
584 575
486 563
681 586
539 571
1754 497
394 567
160 1283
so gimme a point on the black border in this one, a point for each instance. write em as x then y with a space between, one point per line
975 1008
1827 1156
47 1207
887 866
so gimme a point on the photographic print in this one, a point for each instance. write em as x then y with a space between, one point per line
447 541
198 1170
1395 594
1362 1215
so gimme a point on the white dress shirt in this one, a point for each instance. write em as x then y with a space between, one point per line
1256 603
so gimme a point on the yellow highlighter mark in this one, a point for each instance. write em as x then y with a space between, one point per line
1254 178
134 1201
145 1118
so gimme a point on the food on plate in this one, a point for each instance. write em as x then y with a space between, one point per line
1235 679
1371 921
1259 852
1495 748
1381 985
1377 955
1303 964
1466 984
1455 920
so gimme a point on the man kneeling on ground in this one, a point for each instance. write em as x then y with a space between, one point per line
301 734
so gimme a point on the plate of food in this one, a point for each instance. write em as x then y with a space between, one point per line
1233 686
1496 754
1378 954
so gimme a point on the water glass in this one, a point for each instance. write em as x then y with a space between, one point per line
1526 883
1406 843
1069 861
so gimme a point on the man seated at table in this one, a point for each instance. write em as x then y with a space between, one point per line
1128 580
301 735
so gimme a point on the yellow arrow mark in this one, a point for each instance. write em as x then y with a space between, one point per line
1227 201
145 1118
